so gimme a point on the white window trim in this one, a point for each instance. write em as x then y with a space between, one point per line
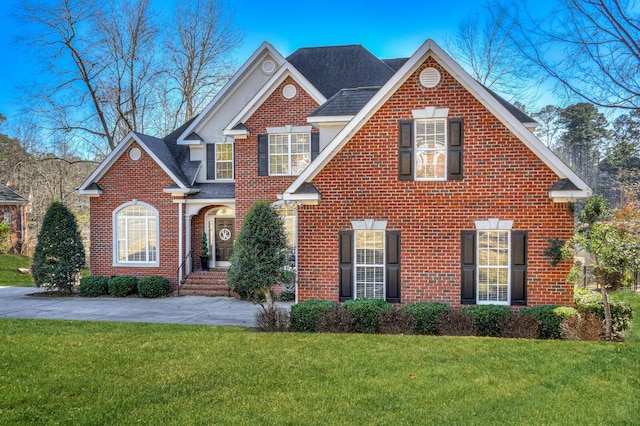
494 224
369 225
233 162
114 223
289 155
433 117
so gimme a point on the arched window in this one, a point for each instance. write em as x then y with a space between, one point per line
136 235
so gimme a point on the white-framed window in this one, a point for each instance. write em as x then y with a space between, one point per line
494 252
7 218
369 264
224 160
289 153
136 235
430 149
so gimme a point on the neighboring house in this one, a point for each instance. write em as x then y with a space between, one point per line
13 211
402 179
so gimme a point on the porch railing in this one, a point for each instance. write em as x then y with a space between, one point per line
184 270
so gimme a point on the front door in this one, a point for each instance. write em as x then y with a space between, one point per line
225 234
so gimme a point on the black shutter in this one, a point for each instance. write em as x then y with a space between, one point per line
263 155
519 267
468 263
393 267
315 145
211 161
405 150
454 167
346 265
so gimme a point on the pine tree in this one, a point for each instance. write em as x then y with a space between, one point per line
259 256
59 255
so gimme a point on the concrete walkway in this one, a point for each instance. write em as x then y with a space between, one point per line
14 303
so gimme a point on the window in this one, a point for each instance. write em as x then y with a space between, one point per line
369 264
7 218
289 153
224 160
136 235
290 220
493 266
220 161
430 149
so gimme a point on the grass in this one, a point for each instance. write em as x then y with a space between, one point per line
9 276
633 299
63 372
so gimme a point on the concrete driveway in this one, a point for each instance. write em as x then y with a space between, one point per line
14 303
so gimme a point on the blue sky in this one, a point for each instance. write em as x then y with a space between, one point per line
388 29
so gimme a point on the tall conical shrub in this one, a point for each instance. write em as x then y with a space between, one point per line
59 255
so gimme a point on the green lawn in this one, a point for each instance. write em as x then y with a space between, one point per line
61 372
9 276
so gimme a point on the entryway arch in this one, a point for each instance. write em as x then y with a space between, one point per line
220 224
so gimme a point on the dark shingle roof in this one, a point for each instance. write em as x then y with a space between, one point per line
395 63
564 185
334 68
345 102
165 155
181 153
217 190
519 115
307 188
10 197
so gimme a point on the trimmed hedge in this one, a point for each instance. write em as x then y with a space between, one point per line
426 315
122 286
550 317
153 287
305 314
367 313
488 318
587 301
94 286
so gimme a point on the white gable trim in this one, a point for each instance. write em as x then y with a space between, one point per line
228 88
430 48
113 157
287 70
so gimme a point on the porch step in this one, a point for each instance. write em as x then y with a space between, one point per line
211 283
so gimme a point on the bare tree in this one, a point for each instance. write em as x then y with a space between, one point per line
590 47
483 46
201 38
549 127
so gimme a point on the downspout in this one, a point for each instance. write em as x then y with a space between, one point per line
180 233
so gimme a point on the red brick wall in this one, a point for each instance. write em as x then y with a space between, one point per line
276 111
503 179
126 180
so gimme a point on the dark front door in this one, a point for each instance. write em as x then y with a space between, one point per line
225 234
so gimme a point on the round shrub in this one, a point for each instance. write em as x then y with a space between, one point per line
305 314
587 301
272 319
122 286
367 313
287 296
335 320
550 317
397 321
457 324
582 327
520 327
488 318
153 287
93 286
426 315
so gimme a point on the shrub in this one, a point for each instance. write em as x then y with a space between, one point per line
287 296
397 321
5 237
93 286
367 313
335 320
549 317
457 324
305 314
153 287
122 286
426 315
519 327
272 319
587 301
488 318
582 327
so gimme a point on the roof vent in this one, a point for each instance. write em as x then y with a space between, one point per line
268 67
289 91
430 77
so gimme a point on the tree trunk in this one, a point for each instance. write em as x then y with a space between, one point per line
607 313
267 297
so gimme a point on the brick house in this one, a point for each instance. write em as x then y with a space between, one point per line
403 179
13 211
